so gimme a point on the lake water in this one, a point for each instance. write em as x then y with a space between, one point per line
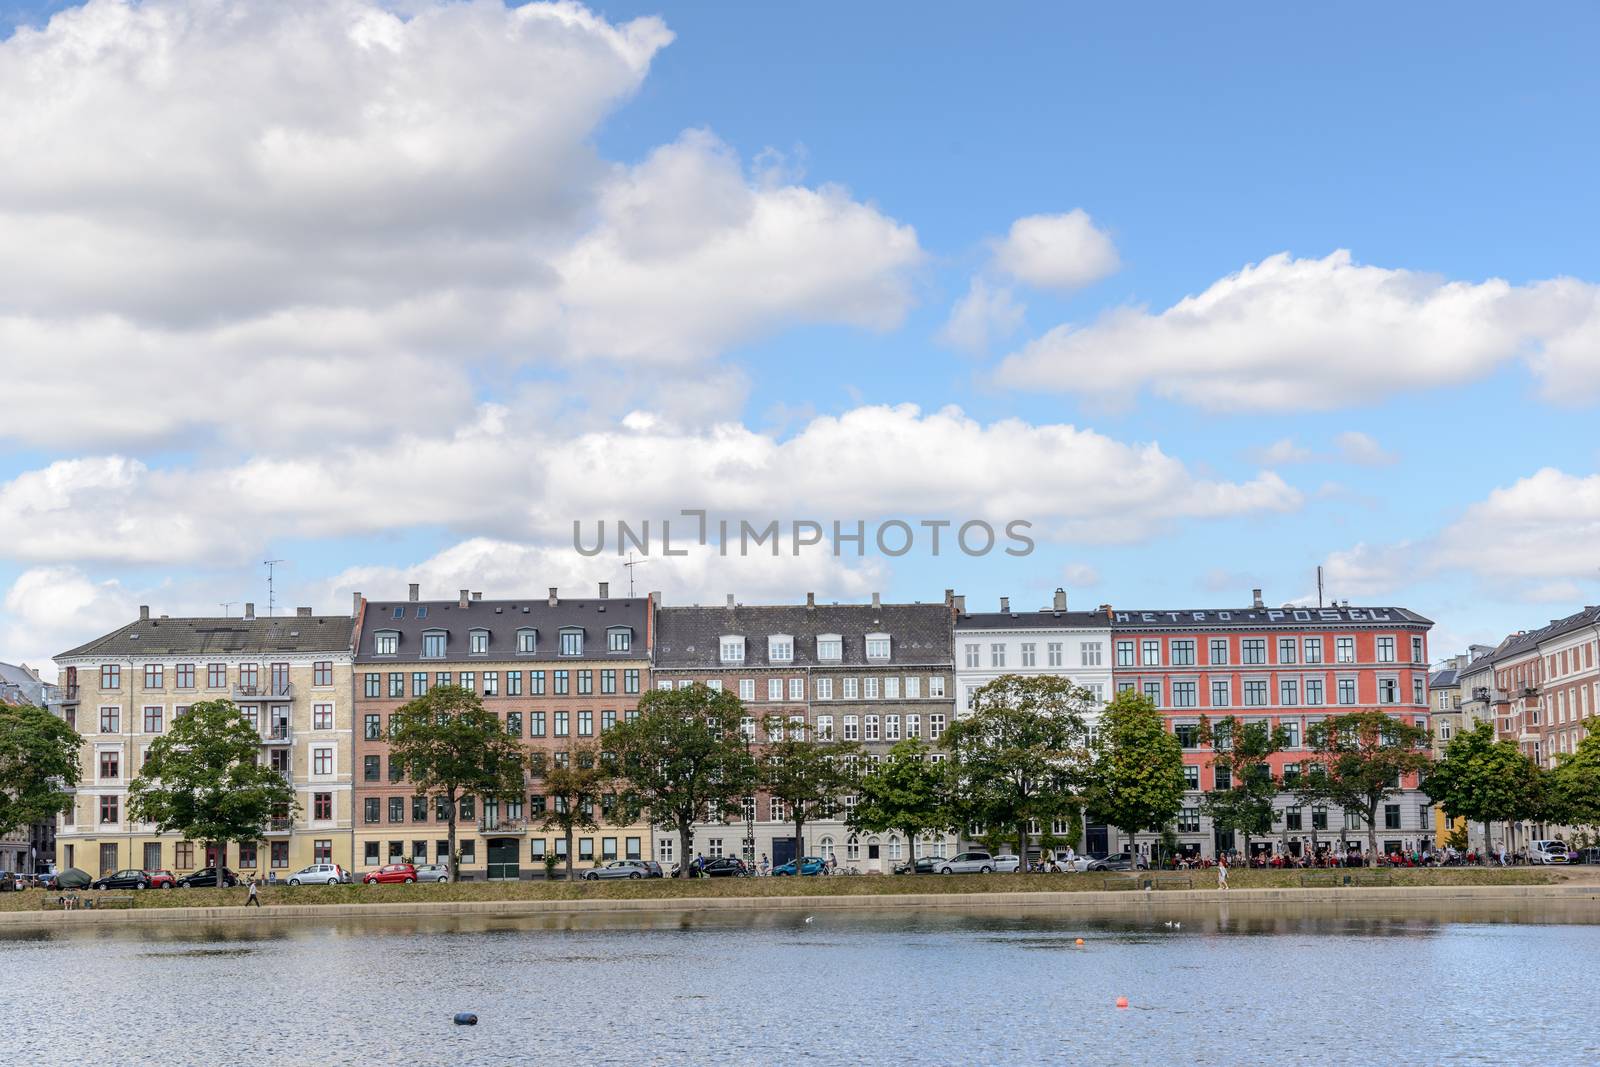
1231 985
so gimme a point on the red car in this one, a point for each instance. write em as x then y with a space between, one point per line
391 872
161 879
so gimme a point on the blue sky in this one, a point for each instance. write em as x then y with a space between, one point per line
1446 142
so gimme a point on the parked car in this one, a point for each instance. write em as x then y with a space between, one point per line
126 879
924 865
71 878
724 867
431 872
808 866
1589 855
10 881
1547 852
206 878
1006 864
617 869
652 869
162 879
973 862
320 874
1121 861
391 873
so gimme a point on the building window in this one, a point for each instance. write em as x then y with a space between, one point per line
559 684
1416 650
371 768
562 722
110 766
152 720
1219 651
280 854
935 727
797 689
1150 653
536 683
830 648
397 809
1189 818
1287 649
372 727
1291 732
1253 651
184 676
477 642
1255 694
1152 690
571 642
1344 649
322 716
1030 656
1188 735
1313 691
154 676
585 724
1388 690
936 687
536 724
871 727
108 809
1313 649
1288 692
852 728
322 761
585 683
877 646
322 806
514 723
1220 697
1419 697
852 688
1184 694
824 688
1183 653
780 649
1088 654
1347 690
997 654
1386 649
527 642
111 720
397 685
385 643
433 644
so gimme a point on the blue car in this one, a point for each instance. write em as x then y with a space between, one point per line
809 865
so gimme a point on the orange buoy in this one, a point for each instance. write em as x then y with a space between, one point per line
1079 941
1122 1002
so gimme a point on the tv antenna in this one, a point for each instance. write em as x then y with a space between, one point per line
226 604
271 601
632 563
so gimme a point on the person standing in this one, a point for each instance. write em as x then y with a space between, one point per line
766 868
251 897
1222 872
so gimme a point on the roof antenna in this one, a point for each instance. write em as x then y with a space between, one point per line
269 564
632 563
1319 585
226 604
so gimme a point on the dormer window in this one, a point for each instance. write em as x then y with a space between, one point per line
433 643
732 650
619 639
780 649
830 648
477 642
385 643
527 641
877 646
572 641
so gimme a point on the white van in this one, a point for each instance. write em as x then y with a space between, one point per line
1547 852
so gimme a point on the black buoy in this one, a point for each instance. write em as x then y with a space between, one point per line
466 1018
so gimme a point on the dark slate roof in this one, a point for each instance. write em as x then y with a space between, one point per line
1521 644
691 637
1044 619
221 636
1263 618
1443 678
503 618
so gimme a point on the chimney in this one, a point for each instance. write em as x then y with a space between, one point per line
1005 605
144 612
553 597
476 595
1255 599
959 602
462 602
811 600
1107 609
249 609
415 589
1060 602
730 600
949 597
302 613
355 603
605 590
655 597
877 602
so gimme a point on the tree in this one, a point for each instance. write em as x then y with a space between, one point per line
904 794
1137 780
1572 795
1243 751
1022 755
684 760
39 761
1365 754
1482 779
204 778
576 787
810 775
446 744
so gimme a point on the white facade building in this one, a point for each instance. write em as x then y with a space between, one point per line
1052 641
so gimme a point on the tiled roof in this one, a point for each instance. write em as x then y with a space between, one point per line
1521 644
503 618
691 637
1443 679
1263 618
221 636
1044 619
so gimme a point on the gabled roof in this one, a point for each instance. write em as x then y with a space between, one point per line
690 637
503 618
151 638
1443 679
1520 644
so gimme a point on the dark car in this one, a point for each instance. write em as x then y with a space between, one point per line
653 869
128 879
724 867
71 878
924 865
206 878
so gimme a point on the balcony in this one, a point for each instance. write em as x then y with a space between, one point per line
69 694
1481 693
255 694
1529 692
279 827
494 824
278 733
1500 696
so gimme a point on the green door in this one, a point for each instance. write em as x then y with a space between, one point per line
503 855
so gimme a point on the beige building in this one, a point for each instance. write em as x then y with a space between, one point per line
290 676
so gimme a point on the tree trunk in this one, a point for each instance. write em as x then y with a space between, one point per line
1022 848
911 850
451 860
799 847
1483 853
569 852
685 832
222 860
1372 834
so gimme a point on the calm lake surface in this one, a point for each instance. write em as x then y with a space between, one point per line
1232 985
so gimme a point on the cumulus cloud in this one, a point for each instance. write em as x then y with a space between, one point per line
1291 334
1542 527
50 609
500 475
1061 252
265 220
986 314
1352 447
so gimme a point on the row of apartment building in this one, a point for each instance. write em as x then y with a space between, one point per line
559 670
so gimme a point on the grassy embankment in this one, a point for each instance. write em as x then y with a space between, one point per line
864 885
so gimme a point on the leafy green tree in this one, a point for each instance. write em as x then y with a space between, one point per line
204 778
1365 755
904 794
810 775
1021 756
446 744
1483 780
1572 794
39 761
1244 751
683 760
1136 783
576 789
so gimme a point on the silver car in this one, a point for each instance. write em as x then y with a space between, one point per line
967 863
618 869
433 872
320 874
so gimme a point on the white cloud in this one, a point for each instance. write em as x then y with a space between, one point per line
502 475
1352 446
1289 334
1540 528
984 315
51 609
276 219
1362 449
1371 571
1283 452
1062 252
1080 576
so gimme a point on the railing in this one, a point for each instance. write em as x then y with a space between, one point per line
497 825
270 691
1480 692
70 694
277 733
280 826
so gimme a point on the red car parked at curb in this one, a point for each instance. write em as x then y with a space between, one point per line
391 873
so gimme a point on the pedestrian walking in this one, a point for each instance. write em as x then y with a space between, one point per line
251 897
1222 872
765 866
